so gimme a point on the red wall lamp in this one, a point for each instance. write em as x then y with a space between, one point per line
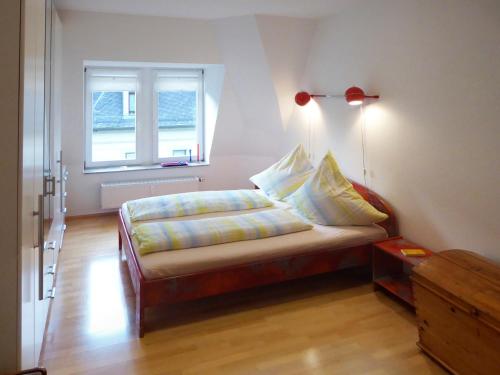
353 95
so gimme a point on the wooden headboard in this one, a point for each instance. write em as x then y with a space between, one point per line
390 224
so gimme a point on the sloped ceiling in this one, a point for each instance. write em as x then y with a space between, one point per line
265 59
286 42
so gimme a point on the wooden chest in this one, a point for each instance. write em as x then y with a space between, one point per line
457 300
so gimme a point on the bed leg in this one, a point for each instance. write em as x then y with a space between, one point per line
120 244
139 316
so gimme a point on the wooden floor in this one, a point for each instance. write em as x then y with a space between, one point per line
333 324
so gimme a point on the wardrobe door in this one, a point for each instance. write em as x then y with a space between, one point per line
41 305
55 125
52 215
45 184
29 204
33 309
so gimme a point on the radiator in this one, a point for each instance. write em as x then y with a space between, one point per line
114 194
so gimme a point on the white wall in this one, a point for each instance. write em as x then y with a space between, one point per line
433 137
97 36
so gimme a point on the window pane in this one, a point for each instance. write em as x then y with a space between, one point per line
131 98
177 117
113 125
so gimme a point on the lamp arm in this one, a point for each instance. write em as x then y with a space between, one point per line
340 96
326 96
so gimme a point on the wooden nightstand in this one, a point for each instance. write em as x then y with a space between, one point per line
391 270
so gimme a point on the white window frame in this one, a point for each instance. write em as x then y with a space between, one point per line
146 102
88 119
200 123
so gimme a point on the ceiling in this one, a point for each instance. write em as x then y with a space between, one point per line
209 9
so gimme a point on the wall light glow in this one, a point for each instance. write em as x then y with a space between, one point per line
374 114
313 117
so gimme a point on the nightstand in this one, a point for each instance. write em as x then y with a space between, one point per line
391 269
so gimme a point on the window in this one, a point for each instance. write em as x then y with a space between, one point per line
143 116
178 110
111 131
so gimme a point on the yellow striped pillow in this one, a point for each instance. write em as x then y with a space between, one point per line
328 198
286 176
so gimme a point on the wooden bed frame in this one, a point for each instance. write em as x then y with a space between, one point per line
231 278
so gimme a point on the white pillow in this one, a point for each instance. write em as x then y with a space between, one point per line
287 175
328 198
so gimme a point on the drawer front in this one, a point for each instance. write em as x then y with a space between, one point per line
454 337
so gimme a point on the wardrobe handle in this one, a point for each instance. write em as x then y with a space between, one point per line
61 181
51 245
41 246
51 293
53 186
52 189
51 270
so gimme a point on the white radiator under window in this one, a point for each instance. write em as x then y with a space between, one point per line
114 194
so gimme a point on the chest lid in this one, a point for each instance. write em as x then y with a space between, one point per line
466 279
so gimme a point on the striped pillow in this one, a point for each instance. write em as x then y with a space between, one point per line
328 198
286 176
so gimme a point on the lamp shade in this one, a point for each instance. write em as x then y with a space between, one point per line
354 95
302 98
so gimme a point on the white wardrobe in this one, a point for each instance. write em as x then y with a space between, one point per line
38 222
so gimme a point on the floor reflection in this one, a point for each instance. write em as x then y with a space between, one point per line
311 358
107 312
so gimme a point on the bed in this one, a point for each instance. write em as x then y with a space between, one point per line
174 276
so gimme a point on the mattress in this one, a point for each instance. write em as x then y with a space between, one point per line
193 260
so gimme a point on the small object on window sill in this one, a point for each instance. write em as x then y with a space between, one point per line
190 160
175 164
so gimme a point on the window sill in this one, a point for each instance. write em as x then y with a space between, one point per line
133 168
